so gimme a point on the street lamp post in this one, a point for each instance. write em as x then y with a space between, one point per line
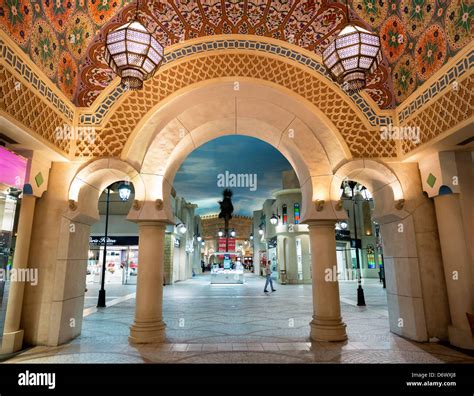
124 190
360 290
101 300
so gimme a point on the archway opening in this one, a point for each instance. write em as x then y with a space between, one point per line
360 264
113 245
213 272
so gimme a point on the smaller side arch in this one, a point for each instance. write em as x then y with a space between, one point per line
381 181
92 179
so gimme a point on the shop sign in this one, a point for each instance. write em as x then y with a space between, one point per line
230 245
114 241
13 169
343 235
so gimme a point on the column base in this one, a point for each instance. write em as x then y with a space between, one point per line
12 342
328 329
149 332
461 338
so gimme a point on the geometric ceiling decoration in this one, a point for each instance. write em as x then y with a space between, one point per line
65 38
214 44
361 139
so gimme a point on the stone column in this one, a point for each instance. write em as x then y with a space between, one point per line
13 335
327 323
456 263
148 326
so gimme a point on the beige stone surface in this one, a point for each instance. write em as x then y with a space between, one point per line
399 238
65 321
457 268
36 319
407 317
148 325
13 334
70 278
403 276
327 323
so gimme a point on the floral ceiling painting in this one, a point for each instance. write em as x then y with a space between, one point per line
65 38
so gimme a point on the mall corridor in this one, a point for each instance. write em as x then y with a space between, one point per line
241 324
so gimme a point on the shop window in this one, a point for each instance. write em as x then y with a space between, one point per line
297 213
299 259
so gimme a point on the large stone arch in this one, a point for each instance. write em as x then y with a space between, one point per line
172 130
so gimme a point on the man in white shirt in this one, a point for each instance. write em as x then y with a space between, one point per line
268 274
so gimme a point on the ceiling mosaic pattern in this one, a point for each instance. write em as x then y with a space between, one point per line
65 37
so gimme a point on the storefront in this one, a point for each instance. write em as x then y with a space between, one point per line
121 259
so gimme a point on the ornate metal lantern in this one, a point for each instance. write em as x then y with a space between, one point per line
133 53
352 56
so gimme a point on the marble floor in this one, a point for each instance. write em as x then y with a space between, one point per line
241 324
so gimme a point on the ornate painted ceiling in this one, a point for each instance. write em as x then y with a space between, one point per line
65 37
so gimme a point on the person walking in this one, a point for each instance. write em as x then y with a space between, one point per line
268 274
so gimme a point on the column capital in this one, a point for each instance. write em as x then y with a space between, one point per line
152 223
151 210
322 223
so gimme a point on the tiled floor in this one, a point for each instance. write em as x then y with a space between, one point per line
240 324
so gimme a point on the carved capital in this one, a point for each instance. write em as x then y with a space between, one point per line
319 203
72 204
159 204
399 204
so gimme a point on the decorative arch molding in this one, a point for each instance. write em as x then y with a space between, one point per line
265 46
259 108
91 179
380 180
362 138
210 109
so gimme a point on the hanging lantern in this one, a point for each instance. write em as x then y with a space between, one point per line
354 54
124 191
133 53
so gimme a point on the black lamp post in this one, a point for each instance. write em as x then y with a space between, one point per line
101 300
360 291
124 193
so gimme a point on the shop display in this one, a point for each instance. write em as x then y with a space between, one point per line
227 275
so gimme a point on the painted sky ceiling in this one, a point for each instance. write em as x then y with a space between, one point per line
65 37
